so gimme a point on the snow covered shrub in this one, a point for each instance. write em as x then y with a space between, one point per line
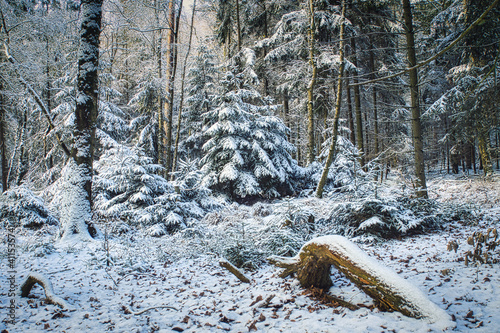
248 237
345 174
127 187
249 244
384 218
21 204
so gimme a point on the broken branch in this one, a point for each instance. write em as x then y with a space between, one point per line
34 278
236 272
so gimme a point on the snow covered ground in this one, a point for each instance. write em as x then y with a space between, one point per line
154 272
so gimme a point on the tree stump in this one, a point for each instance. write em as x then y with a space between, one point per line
390 291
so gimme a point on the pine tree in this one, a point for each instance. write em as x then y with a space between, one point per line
201 92
246 150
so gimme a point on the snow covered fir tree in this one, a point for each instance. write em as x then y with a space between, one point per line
227 165
246 151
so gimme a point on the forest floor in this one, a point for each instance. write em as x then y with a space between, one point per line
149 272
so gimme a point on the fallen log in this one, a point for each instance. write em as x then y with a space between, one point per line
390 291
34 278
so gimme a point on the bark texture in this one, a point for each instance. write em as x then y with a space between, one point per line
86 104
390 291
416 126
311 155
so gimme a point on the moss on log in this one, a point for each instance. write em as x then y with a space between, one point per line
389 291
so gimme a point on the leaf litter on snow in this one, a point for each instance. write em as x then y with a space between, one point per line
181 272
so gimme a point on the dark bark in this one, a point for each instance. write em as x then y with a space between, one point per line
87 87
350 119
416 126
238 26
357 106
311 154
22 168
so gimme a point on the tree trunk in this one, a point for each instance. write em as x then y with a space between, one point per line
238 27
350 119
79 176
338 101
22 168
375 112
415 107
374 100
169 99
357 106
48 101
181 101
160 157
389 290
484 153
311 155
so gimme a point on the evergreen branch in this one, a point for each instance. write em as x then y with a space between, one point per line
437 55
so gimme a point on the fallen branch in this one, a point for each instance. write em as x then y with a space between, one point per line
390 291
330 300
34 278
128 311
227 265
262 303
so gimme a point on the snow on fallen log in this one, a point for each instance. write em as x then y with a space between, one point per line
34 278
389 290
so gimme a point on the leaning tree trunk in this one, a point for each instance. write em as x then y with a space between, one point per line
338 101
416 126
77 206
389 290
